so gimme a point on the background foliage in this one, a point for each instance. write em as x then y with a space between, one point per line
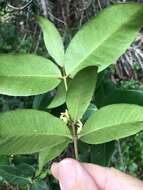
19 33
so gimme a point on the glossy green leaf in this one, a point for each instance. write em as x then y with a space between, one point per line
41 101
59 98
84 151
125 96
39 184
113 122
26 74
90 110
29 131
48 154
102 40
80 92
13 175
52 39
108 94
27 159
26 170
101 154
4 160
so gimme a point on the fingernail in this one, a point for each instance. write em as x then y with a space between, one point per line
67 174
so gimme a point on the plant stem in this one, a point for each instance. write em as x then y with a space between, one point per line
65 83
74 133
65 79
121 155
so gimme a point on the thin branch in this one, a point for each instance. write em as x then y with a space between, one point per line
19 8
99 4
44 8
65 83
55 18
121 155
38 42
86 5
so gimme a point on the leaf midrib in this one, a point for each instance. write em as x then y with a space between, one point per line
57 144
30 76
34 134
108 126
14 175
78 106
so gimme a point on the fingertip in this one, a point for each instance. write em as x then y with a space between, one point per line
55 169
68 162
73 176
64 163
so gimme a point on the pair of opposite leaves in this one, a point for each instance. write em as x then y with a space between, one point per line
98 43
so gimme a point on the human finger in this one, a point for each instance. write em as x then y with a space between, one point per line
110 178
72 176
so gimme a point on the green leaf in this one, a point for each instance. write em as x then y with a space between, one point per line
101 154
98 154
108 94
113 122
39 185
102 40
27 159
125 96
52 39
84 151
29 131
26 74
41 101
4 160
90 110
26 170
80 92
59 98
13 175
48 154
